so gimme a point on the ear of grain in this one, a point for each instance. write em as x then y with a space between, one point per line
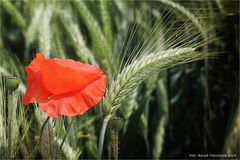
34 24
32 30
45 31
106 20
160 119
76 37
140 69
101 48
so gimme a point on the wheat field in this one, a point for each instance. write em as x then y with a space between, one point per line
172 69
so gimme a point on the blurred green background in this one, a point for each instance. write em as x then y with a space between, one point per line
188 109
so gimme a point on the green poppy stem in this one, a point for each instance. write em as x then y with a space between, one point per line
102 135
60 148
9 106
40 138
115 145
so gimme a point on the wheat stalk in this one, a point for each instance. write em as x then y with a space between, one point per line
106 20
161 119
16 15
45 31
59 49
68 151
3 120
102 49
32 30
34 24
76 36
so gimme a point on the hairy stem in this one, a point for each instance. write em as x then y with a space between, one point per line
115 145
9 105
40 137
61 145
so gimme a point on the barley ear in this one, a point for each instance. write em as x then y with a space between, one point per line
45 32
132 75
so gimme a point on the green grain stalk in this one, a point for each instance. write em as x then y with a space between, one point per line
106 20
45 31
101 47
76 37
16 15
32 30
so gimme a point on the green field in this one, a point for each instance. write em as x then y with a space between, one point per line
172 69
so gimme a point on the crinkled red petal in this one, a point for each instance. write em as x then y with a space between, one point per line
63 86
63 75
36 90
77 102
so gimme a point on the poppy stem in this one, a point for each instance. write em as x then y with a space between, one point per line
9 106
102 135
115 145
64 138
40 138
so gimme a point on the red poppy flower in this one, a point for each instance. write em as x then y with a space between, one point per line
63 86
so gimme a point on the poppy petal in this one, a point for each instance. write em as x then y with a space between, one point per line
36 90
64 86
75 103
64 75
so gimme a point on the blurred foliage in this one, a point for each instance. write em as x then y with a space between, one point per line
189 109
